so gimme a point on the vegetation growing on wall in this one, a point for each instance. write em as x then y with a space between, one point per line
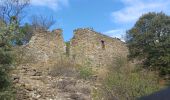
68 48
148 40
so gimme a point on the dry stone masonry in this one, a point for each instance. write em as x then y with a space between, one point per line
95 49
45 46
87 47
32 78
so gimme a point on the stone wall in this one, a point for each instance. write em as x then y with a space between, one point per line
87 47
45 46
94 49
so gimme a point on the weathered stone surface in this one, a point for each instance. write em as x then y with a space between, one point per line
86 48
45 46
45 87
94 49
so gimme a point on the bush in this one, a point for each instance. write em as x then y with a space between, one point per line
125 83
65 68
6 59
68 48
85 73
69 69
4 80
8 94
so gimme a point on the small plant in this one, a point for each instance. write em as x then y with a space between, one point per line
97 94
68 48
8 94
85 73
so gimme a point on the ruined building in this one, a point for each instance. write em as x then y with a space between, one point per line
45 46
94 49
87 47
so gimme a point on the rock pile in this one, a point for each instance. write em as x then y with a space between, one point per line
33 84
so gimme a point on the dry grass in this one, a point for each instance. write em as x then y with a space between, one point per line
102 73
66 69
125 81
69 69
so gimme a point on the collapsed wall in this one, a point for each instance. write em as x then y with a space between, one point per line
94 49
45 46
87 48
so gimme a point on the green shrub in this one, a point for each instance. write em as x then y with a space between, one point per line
68 48
8 94
7 40
125 83
85 72
6 59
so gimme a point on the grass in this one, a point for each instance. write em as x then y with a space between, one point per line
7 94
68 69
122 80
125 81
86 73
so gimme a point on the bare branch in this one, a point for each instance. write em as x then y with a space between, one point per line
43 22
10 8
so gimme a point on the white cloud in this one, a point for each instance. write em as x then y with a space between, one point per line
118 33
133 9
52 4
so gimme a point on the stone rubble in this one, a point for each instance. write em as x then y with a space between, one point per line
33 86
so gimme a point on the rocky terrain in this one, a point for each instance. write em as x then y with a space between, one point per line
34 84
35 79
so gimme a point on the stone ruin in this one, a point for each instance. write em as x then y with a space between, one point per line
95 49
87 47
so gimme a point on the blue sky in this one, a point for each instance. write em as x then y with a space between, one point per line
110 17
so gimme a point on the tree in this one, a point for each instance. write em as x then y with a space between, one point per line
12 8
6 56
28 32
11 13
149 40
43 22
11 34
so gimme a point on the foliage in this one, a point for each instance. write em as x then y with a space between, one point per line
5 61
86 72
27 30
8 94
149 40
12 8
9 36
68 48
11 15
4 82
125 83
